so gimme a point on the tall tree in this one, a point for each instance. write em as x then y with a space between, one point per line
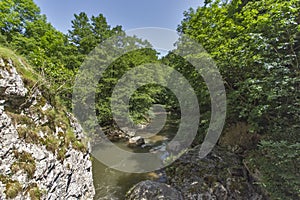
100 28
82 35
15 15
87 33
256 47
143 98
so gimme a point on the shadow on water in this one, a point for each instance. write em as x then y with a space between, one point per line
112 184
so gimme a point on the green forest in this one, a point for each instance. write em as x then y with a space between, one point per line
254 43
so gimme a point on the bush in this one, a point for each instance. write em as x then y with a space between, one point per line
278 166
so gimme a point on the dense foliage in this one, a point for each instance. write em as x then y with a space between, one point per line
55 55
58 56
255 44
256 47
279 164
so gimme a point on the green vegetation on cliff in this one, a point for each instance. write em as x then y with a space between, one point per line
34 125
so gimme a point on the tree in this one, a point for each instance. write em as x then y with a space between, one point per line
142 99
256 47
100 28
82 35
87 33
15 15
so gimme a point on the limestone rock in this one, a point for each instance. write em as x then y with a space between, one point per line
25 129
12 88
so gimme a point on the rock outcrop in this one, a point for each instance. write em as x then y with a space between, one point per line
154 191
220 175
42 149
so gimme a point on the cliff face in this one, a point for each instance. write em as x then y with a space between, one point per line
42 148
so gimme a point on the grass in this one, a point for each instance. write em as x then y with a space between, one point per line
34 191
52 143
20 119
61 153
70 137
12 187
25 162
79 146
56 144
30 77
29 135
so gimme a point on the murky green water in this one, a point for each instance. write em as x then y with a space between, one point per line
112 184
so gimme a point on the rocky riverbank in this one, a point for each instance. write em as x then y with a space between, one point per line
220 175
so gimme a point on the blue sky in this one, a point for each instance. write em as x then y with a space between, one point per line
128 13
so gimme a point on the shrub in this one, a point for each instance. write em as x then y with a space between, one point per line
278 166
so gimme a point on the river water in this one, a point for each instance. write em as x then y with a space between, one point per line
112 184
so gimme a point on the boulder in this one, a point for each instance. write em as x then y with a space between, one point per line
136 141
220 175
150 190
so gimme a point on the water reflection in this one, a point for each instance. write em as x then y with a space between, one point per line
111 184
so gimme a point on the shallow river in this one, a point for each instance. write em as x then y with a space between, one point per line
112 184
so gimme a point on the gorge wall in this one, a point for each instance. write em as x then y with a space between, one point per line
42 148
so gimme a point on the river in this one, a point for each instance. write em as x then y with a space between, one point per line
112 184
